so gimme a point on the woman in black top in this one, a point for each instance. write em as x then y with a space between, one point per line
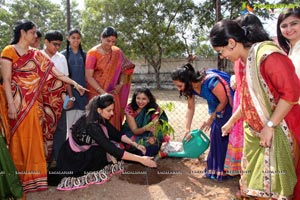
91 154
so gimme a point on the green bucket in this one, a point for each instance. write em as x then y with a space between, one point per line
194 147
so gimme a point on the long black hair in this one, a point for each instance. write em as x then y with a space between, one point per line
187 75
102 101
249 19
225 29
109 31
91 116
22 24
71 32
283 42
152 101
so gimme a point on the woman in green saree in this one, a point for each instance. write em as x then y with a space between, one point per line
142 117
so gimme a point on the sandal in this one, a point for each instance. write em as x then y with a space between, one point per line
239 196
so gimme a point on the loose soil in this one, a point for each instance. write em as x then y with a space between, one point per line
173 179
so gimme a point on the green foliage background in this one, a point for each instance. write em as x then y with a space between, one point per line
148 29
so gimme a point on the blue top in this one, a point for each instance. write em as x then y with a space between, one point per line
206 92
77 73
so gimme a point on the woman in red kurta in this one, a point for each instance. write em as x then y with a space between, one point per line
270 92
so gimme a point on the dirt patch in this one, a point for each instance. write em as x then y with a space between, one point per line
141 175
174 179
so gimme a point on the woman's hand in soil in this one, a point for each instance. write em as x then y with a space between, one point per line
148 161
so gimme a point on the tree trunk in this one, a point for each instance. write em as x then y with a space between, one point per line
68 16
157 78
218 18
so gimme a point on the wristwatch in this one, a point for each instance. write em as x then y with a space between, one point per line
72 99
270 124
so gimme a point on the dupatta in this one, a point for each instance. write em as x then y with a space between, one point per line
272 160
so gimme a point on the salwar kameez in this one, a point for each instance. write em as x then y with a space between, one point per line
270 172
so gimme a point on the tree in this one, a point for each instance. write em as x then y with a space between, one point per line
212 11
5 26
45 14
147 28
42 12
75 14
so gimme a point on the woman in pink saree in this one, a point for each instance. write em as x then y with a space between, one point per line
108 70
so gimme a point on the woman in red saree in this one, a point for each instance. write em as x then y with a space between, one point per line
108 70
33 89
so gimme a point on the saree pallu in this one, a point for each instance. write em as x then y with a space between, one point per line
236 137
37 97
142 119
266 172
108 70
10 186
234 153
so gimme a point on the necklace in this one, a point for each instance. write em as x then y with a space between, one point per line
105 51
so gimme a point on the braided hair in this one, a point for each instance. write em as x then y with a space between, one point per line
71 32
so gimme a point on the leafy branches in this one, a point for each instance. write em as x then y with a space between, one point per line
161 125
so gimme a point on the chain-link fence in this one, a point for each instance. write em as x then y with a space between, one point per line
163 31
144 74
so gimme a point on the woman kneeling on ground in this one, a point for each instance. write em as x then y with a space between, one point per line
91 154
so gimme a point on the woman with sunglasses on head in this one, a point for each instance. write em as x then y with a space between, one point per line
91 153
269 107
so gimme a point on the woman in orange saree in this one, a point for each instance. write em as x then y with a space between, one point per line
108 70
33 89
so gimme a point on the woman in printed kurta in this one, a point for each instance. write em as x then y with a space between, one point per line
33 89
108 70
270 91
236 136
